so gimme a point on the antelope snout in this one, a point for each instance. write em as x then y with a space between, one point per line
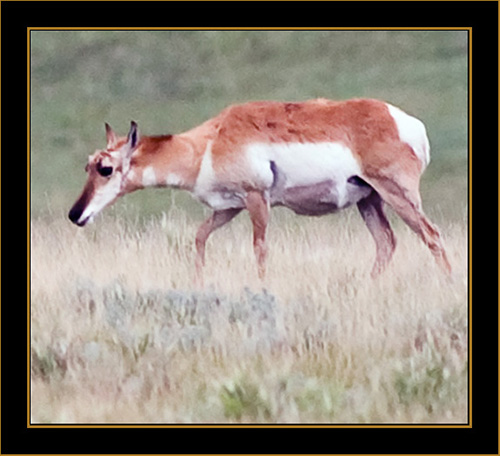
75 215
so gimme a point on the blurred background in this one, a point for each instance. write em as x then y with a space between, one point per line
170 81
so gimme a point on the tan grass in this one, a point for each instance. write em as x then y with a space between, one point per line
120 333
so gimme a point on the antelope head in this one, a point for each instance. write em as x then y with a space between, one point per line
107 171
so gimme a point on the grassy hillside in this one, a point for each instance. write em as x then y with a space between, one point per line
171 81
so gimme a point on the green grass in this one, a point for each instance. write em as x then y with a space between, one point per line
171 81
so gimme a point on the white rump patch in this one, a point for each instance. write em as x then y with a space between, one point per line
412 132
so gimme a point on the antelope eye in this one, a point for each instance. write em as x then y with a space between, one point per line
105 170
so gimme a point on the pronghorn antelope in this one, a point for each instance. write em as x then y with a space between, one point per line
314 157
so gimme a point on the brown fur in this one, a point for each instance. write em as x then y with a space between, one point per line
363 125
358 123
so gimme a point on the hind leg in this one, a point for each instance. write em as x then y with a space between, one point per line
402 194
372 211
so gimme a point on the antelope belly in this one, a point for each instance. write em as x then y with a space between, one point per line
309 178
319 198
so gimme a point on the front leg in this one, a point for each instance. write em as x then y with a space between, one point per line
215 221
258 208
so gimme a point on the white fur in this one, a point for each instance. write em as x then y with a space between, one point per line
131 176
206 181
303 163
104 196
173 180
412 132
206 190
149 177
300 164
206 175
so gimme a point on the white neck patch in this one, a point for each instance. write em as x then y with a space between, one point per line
173 180
149 177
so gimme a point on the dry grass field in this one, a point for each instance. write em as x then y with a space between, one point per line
121 335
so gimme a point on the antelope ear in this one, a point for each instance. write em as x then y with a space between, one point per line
133 137
110 137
